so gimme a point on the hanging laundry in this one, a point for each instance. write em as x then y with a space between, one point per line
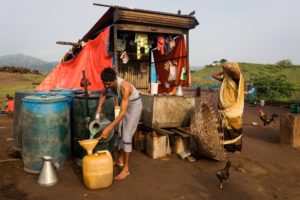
121 45
167 65
153 74
124 57
167 85
143 67
172 43
141 41
161 44
167 45
172 73
183 74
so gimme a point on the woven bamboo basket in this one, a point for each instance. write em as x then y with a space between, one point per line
204 129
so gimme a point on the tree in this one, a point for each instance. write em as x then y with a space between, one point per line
223 60
271 87
284 63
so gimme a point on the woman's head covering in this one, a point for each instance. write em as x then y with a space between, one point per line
233 65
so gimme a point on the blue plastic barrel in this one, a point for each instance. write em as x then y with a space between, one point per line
40 93
69 93
45 130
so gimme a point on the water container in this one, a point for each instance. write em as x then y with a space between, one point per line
97 126
262 102
80 123
68 92
294 108
154 88
97 170
45 130
17 131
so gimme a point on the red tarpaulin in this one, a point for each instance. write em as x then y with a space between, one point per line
178 55
93 58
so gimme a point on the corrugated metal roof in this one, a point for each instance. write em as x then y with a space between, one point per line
142 10
107 18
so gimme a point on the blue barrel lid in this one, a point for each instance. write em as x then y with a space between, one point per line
57 89
63 93
25 92
45 98
39 93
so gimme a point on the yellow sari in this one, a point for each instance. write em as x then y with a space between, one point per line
231 101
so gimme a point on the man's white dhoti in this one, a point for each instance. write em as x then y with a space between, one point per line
129 123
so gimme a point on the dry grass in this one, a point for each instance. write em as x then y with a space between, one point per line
11 82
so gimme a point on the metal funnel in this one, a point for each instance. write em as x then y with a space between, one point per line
48 176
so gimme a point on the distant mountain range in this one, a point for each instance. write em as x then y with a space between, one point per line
20 60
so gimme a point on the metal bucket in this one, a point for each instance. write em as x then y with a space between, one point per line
45 130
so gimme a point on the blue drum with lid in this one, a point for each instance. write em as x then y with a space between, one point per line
45 130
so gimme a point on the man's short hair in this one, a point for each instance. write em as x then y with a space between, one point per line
108 74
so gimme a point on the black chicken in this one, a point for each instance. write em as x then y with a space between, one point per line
266 120
223 174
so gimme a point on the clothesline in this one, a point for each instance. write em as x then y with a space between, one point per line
174 58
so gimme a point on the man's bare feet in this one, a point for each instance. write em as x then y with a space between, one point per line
123 174
119 164
237 152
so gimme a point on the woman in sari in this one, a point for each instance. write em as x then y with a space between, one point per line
231 105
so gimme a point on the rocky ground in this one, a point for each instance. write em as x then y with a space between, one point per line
268 171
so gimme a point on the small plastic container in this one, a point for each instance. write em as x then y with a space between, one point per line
294 108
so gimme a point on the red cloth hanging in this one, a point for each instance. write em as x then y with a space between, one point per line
93 58
178 54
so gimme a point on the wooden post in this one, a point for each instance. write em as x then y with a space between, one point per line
188 59
115 48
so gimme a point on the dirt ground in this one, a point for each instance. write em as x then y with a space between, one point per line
271 171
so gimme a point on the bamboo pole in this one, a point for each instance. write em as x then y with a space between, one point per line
68 43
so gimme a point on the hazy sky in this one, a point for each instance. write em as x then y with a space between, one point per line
259 31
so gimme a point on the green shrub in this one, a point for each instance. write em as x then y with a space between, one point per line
270 87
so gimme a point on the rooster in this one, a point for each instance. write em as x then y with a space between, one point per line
223 174
266 120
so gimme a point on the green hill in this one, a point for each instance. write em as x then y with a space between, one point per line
203 76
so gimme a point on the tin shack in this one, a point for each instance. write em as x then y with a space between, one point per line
150 49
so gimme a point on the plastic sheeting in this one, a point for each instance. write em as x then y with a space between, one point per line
93 58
